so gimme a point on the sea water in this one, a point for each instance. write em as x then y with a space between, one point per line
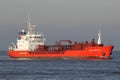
59 69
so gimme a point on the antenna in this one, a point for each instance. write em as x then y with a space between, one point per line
31 28
28 22
29 25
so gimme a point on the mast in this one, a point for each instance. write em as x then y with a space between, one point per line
99 38
31 28
29 25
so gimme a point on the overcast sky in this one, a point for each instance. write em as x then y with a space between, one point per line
78 20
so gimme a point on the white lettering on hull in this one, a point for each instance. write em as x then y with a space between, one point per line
23 53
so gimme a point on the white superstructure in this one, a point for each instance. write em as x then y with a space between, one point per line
28 39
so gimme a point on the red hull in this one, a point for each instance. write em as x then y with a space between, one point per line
100 52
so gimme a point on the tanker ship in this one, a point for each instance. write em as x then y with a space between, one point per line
31 44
